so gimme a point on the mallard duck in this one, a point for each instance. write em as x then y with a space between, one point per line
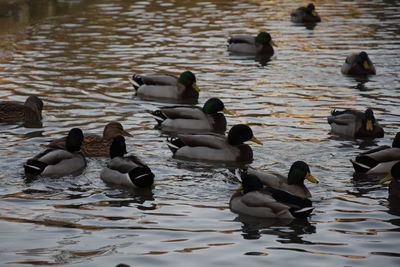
208 118
293 183
126 170
95 145
158 86
378 160
358 64
254 199
30 112
394 177
57 161
305 14
355 124
246 44
214 147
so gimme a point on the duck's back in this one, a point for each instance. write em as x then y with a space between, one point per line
279 181
242 43
13 111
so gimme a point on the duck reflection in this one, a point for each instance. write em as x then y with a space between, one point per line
290 230
308 25
136 196
262 60
394 208
361 81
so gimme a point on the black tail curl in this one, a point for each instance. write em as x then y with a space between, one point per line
158 116
174 143
34 167
142 176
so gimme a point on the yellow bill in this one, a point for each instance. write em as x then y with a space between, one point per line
311 178
255 140
366 65
86 140
369 126
314 13
272 43
385 179
226 111
195 87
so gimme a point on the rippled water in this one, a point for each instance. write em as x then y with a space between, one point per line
77 55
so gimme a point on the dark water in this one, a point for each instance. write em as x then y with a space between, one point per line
77 55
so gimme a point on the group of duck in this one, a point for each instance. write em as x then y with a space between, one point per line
198 134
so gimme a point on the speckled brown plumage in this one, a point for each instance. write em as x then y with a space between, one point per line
29 112
95 145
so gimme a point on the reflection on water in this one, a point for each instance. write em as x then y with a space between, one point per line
77 56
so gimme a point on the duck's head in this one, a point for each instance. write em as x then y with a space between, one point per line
369 119
188 79
35 103
299 171
396 141
264 38
311 9
74 140
362 59
113 129
250 183
118 147
241 133
215 105
393 174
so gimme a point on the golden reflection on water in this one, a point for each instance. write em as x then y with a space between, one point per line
77 57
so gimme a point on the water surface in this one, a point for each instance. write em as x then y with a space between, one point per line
77 56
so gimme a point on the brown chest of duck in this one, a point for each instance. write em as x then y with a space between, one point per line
358 64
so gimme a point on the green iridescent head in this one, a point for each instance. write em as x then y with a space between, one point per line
188 79
263 38
241 133
299 171
213 105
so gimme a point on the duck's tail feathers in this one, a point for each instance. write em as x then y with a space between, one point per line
174 143
301 213
300 207
364 163
288 198
240 172
34 167
359 167
158 116
142 176
135 80
336 112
